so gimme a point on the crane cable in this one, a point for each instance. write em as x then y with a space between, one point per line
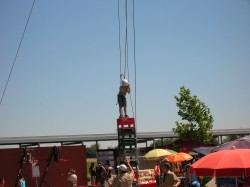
134 53
14 62
134 112
126 40
119 37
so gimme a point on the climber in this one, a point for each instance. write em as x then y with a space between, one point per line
123 90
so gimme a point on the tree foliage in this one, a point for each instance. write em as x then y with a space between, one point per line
162 143
196 118
91 151
231 138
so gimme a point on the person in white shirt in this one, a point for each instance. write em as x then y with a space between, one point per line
72 178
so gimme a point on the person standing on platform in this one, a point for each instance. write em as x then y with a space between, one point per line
125 176
157 171
121 97
169 179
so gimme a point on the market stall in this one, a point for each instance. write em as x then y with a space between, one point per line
146 178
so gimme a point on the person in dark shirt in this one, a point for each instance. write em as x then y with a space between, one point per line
100 172
92 173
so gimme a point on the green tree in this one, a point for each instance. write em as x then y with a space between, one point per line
91 151
231 138
162 143
197 120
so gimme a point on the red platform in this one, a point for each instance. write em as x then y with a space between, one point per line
125 123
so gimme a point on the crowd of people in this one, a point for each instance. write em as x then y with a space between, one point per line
99 173
72 179
174 174
102 174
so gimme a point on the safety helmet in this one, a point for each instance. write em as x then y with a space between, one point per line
125 82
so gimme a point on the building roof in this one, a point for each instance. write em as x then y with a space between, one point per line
80 139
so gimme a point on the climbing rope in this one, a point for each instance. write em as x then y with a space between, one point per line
120 50
14 62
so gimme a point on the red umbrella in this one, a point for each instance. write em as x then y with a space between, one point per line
235 162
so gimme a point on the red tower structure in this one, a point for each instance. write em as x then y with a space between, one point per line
127 142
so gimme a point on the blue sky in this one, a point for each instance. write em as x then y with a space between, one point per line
66 75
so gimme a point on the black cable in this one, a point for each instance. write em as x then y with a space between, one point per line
120 37
17 53
126 52
126 37
135 117
134 52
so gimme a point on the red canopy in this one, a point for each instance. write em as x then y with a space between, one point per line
234 162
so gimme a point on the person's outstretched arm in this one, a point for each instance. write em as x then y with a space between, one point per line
127 161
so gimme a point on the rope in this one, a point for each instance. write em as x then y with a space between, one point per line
14 62
120 51
134 54
135 79
126 38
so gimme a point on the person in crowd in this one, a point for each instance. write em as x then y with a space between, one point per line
72 178
177 169
157 172
125 175
165 160
122 101
169 177
100 174
92 173
187 174
21 181
109 169
162 162
2 182
195 182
